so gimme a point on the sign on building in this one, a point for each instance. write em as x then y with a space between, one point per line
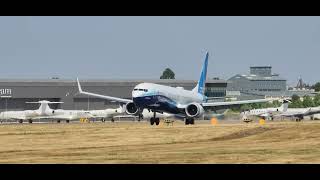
5 92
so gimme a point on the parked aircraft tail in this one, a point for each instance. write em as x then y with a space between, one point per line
44 105
284 106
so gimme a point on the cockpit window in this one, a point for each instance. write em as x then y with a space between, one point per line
145 90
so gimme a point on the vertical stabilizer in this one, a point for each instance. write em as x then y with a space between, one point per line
284 106
203 76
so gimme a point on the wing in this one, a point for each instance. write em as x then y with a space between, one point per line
102 96
307 113
263 115
312 112
212 104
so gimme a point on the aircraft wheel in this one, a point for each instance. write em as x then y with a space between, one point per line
152 120
20 121
67 121
58 121
30 121
187 121
157 121
191 121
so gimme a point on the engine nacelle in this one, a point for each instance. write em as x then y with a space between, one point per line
194 110
131 108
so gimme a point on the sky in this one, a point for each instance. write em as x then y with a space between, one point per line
105 47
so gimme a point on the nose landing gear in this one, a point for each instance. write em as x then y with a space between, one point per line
154 120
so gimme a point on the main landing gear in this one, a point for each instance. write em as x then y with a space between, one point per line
189 121
154 119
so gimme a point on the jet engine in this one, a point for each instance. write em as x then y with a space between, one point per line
194 110
131 108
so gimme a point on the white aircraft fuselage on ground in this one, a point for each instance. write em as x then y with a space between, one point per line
44 112
282 111
173 100
300 113
265 113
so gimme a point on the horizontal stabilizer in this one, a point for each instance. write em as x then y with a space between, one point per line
42 102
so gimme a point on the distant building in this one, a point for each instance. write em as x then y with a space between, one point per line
259 81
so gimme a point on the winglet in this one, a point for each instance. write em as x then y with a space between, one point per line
79 87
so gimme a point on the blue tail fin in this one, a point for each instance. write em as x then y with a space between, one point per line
203 76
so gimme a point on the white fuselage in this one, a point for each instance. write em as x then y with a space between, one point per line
163 98
106 113
262 112
61 114
18 114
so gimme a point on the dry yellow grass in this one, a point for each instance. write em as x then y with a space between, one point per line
133 142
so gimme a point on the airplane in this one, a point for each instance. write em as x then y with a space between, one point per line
67 115
105 113
300 113
282 111
29 115
172 100
44 112
264 113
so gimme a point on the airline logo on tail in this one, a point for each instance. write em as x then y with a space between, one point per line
203 76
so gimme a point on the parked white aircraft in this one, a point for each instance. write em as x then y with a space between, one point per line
106 113
29 114
300 113
44 112
282 111
177 101
265 113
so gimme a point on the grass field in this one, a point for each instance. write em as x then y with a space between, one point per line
138 142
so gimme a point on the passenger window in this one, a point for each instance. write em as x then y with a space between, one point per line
146 90
135 89
140 89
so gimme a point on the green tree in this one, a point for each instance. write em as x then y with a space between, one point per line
307 101
167 74
317 87
316 100
275 104
296 102
245 107
295 98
